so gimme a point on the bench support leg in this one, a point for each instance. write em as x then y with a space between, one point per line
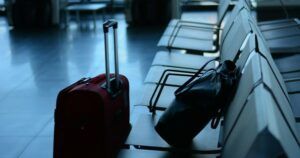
95 18
67 18
78 18
104 15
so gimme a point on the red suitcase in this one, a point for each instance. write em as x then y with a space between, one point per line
92 115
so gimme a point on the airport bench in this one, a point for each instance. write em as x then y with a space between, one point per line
85 7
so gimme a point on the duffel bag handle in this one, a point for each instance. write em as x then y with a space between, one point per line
194 76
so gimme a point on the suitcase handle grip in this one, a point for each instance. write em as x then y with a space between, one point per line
106 26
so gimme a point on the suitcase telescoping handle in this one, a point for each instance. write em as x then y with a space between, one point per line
108 24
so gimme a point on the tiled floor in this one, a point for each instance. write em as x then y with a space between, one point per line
35 65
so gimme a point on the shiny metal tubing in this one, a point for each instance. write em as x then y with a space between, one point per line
107 71
117 76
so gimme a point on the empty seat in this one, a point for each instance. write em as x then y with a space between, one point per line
200 37
281 37
144 136
260 119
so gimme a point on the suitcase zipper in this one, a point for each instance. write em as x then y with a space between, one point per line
83 80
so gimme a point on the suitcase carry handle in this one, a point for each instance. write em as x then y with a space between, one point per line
106 25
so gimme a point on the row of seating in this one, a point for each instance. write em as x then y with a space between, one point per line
281 35
261 120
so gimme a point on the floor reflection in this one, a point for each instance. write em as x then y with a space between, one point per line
35 65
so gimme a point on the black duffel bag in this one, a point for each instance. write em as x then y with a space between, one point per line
198 100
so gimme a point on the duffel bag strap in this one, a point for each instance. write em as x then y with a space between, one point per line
194 76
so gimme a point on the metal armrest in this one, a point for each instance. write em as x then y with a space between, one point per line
292 79
199 26
199 72
274 22
281 27
195 22
177 29
293 71
164 78
297 21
